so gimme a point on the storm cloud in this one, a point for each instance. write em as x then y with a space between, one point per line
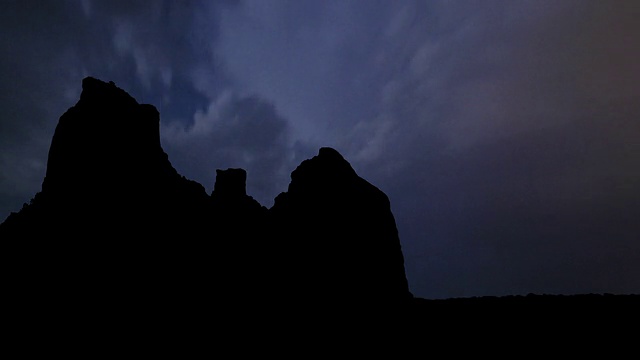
505 133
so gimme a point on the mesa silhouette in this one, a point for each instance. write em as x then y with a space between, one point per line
116 227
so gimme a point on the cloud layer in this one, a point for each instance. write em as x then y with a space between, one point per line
505 133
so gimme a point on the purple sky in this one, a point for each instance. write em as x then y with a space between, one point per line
505 133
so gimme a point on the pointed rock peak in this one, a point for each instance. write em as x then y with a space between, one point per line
331 158
330 153
98 91
231 182
329 163
90 82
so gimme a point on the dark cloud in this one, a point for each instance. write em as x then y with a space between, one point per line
532 213
505 133
235 131
514 129
33 87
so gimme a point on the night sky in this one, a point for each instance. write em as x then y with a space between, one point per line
505 133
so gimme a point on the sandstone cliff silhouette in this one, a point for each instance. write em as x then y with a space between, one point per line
114 219
117 231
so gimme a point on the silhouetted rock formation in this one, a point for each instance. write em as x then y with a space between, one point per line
230 201
340 234
237 223
116 237
230 183
115 220
117 242
107 174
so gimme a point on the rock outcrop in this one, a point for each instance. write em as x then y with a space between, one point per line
237 226
114 220
107 175
341 235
